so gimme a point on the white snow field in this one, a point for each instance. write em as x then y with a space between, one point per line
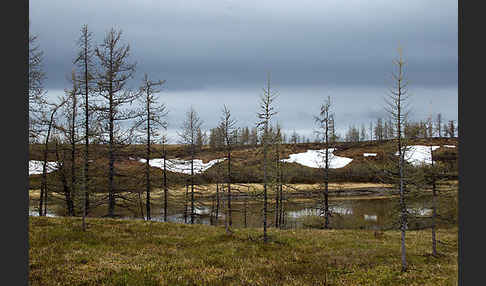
419 154
369 154
450 146
182 166
35 167
315 159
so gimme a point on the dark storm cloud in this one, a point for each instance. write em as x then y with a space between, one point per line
200 47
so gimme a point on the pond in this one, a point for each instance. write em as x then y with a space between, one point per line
346 213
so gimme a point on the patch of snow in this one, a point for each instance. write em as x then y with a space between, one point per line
369 154
418 154
340 210
182 166
36 213
371 217
315 159
303 213
35 167
449 146
420 211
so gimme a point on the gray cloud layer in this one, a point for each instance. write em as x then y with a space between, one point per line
310 47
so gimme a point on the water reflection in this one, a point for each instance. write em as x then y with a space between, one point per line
365 213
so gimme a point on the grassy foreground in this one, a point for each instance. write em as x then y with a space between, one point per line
129 252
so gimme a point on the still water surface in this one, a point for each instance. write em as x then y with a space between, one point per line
362 213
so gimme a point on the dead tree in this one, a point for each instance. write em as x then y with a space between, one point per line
150 119
278 176
166 189
37 93
71 137
451 129
434 205
115 72
322 120
438 124
227 127
397 110
85 61
264 116
47 119
188 136
66 191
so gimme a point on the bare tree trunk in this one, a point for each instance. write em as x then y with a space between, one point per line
434 218
280 221
230 220
276 205
147 164
185 203
434 209
265 237
65 187
43 195
111 164
277 186
403 208
217 202
192 184
73 153
265 116
165 185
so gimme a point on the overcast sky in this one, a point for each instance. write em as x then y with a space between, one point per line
215 52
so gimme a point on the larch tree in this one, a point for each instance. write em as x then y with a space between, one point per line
188 137
451 129
166 189
434 203
85 61
362 136
72 138
227 127
150 120
438 124
278 177
371 130
396 107
379 130
265 115
322 121
47 120
115 71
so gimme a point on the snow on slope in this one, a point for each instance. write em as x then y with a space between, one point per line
182 166
35 167
315 159
369 154
419 154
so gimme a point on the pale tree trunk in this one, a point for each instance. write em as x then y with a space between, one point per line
165 185
73 153
230 219
403 208
326 183
147 164
265 237
434 208
192 184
